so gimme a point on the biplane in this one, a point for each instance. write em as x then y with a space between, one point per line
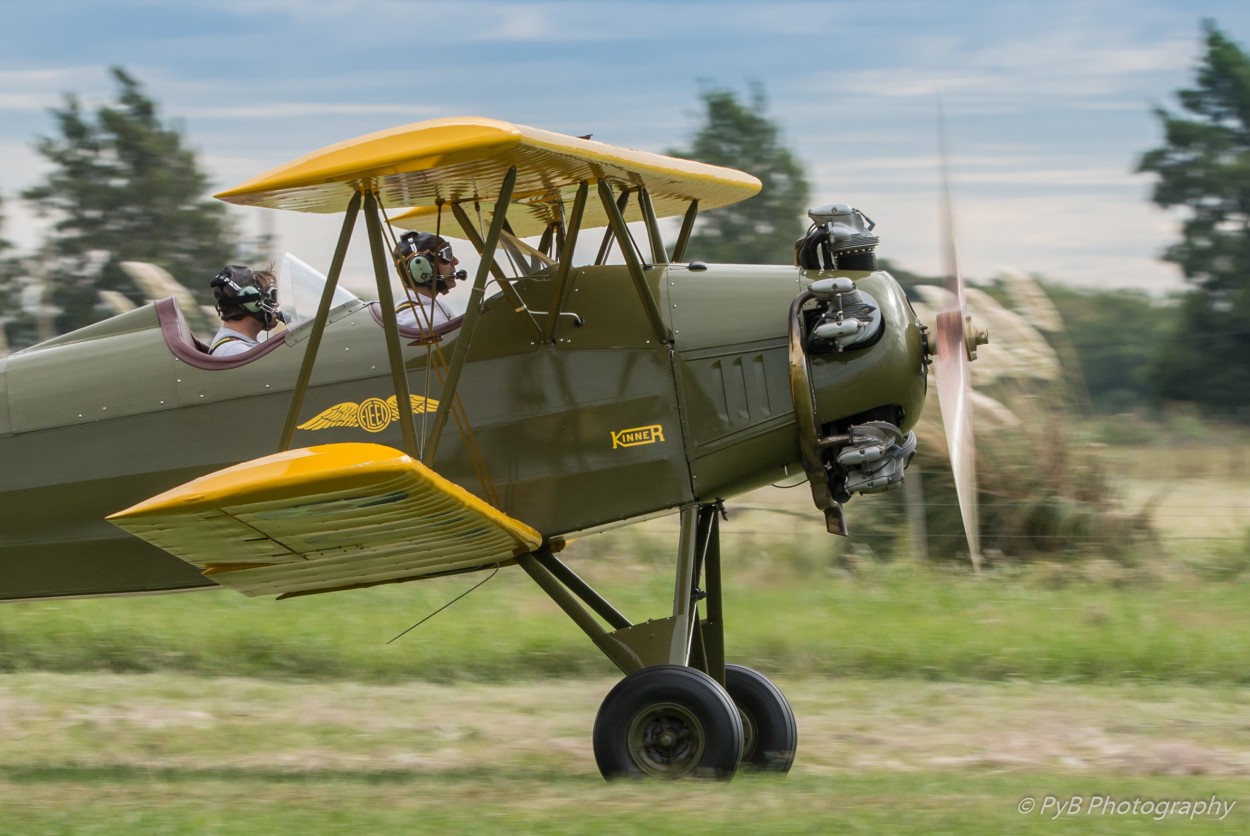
348 451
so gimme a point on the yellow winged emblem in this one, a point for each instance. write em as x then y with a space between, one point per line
372 414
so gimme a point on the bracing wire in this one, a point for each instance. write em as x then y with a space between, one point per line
429 325
405 282
434 353
448 604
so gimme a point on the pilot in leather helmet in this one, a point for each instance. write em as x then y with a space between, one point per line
427 268
247 302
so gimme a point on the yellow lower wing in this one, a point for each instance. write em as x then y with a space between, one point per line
336 516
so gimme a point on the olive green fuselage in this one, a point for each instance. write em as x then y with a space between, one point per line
603 425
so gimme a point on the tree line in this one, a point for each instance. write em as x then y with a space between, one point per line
124 186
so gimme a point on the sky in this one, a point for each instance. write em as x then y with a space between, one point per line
1047 106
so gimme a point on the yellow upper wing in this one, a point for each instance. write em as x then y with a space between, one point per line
330 517
466 158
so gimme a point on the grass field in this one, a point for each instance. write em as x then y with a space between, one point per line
1061 623
929 700
173 753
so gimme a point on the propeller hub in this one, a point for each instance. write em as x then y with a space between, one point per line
973 337
956 329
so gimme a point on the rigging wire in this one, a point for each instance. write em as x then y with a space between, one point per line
448 604
436 360
406 282
429 321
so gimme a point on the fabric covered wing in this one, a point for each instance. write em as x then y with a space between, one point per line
464 159
336 516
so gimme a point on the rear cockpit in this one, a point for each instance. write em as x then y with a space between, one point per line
300 288
193 351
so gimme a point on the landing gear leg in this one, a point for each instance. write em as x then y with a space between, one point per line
680 710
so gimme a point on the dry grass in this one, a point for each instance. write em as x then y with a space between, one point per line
173 722
125 754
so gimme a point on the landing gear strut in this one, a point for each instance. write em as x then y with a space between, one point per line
680 710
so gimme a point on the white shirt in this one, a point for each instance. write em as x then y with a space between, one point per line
431 311
227 341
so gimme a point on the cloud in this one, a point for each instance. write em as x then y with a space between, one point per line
1098 241
295 110
969 172
24 101
40 89
1088 59
1047 104
25 78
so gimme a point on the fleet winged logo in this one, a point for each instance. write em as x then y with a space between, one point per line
372 414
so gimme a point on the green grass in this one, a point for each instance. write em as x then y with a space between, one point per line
248 802
783 614
182 754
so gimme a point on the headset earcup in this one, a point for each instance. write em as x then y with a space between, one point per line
421 269
249 299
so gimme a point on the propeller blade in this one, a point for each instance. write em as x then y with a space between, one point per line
954 398
954 374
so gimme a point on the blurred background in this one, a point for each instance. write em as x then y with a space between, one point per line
1096 152
1099 154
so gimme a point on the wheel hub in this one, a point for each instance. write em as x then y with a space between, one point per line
666 740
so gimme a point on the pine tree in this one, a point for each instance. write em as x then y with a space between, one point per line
1205 168
762 229
124 187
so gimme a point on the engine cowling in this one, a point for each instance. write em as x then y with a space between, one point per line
858 374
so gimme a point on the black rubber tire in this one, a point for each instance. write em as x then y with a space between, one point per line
668 721
771 736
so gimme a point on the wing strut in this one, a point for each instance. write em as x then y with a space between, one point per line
544 245
488 258
658 254
319 325
387 301
683 237
471 314
617 224
399 374
560 290
610 232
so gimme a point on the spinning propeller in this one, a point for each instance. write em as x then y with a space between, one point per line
957 342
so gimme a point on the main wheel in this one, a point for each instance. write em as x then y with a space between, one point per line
668 721
769 731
